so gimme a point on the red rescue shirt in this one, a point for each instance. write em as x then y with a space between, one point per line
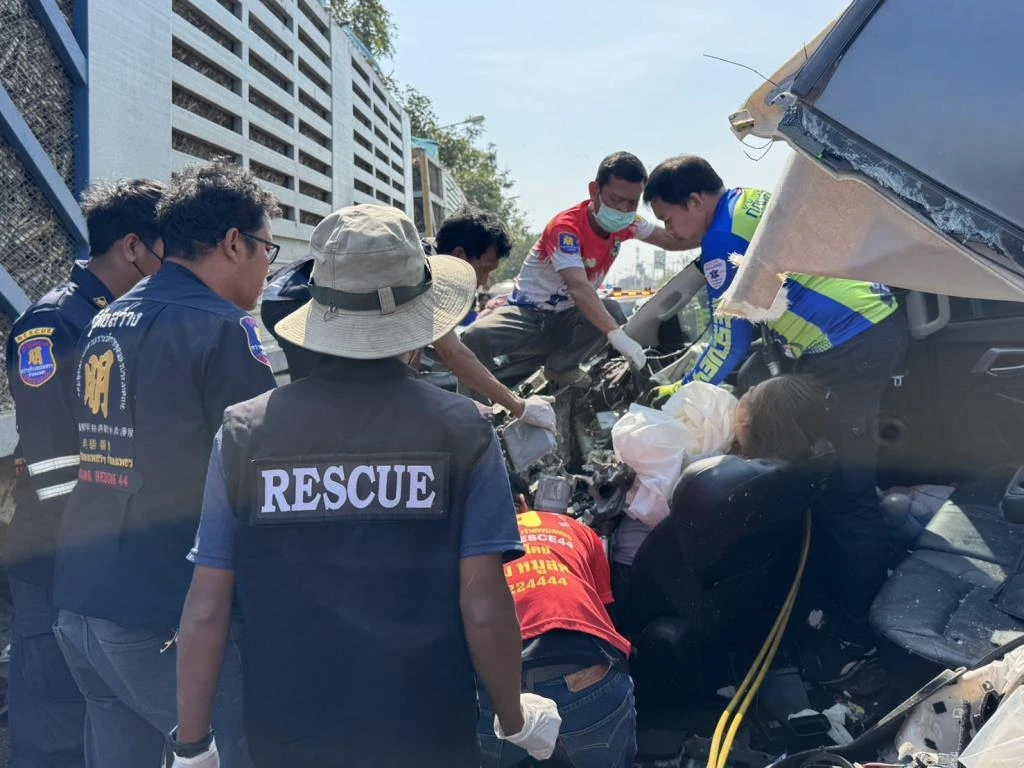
563 581
569 241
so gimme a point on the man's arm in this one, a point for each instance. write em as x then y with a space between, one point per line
662 239
202 638
206 619
583 294
236 369
730 337
492 634
470 371
43 391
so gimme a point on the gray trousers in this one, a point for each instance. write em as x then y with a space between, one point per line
565 339
130 692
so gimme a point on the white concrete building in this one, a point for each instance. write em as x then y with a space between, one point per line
276 84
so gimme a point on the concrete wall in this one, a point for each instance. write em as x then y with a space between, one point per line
129 89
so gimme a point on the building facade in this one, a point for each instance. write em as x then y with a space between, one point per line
277 85
436 194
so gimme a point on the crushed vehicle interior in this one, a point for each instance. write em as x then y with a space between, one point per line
725 579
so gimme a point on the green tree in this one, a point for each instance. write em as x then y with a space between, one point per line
371 22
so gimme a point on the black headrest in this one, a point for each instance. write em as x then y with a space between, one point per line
726 510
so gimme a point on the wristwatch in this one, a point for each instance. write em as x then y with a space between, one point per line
190 749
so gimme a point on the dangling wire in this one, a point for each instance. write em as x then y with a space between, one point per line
743 66
762 156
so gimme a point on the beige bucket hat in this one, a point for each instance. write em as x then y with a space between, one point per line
375 293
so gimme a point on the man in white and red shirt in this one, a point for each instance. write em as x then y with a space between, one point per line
555 310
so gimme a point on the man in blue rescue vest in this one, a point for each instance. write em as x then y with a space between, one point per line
849 335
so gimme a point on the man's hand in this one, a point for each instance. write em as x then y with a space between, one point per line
208 759
658 396
537 411
541 722
629 348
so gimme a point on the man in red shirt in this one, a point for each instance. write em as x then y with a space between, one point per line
571 651
555 310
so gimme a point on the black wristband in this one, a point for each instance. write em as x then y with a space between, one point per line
191 749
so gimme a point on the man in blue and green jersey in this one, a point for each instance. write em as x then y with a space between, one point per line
850 335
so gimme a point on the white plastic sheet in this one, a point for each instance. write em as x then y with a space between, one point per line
1000 742
698 421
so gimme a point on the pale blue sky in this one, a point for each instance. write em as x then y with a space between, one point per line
565 82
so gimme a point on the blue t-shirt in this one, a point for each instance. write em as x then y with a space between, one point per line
489 526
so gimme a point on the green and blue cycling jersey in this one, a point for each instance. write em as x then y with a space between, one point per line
822 312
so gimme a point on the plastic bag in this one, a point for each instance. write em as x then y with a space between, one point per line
698 421
1000 742
708 412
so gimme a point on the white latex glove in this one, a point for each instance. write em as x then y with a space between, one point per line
541 722
539 413
629 348
209 759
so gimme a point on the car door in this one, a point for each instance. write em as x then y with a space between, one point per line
960 410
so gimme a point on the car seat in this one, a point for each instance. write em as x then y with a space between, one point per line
716 570
960 591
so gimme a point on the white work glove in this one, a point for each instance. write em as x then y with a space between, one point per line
541 722
208 759
629 348
539 413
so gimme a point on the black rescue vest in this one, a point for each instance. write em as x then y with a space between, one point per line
350 487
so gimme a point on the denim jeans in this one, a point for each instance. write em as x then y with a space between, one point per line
850 516
598 725
47 711
130 690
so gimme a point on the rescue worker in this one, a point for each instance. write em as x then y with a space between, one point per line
155 371
362 516
572 653
554 310
847 334
475 236
46 711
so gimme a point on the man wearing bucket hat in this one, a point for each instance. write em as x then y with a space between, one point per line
363 517
476 236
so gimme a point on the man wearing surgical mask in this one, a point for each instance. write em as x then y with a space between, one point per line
554 310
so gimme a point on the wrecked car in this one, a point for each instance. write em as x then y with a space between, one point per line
903 173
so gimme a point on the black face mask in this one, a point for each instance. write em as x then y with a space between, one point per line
155 256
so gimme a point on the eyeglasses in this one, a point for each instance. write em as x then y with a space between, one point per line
272 248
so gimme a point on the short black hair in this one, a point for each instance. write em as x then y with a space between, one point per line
121 208
474 231
675 179
621 165
205 201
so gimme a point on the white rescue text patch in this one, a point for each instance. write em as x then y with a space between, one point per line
346 488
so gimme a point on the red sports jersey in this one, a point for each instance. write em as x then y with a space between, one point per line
569 241
563 581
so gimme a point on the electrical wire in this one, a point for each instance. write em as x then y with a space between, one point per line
729 725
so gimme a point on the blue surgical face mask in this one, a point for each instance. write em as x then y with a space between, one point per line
611 220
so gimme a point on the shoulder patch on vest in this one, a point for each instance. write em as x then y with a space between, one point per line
36 361
348 488
252 334
568 243
715 272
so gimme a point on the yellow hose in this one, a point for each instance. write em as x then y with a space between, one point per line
759 669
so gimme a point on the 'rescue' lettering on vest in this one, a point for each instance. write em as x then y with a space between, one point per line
350 488
354 488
